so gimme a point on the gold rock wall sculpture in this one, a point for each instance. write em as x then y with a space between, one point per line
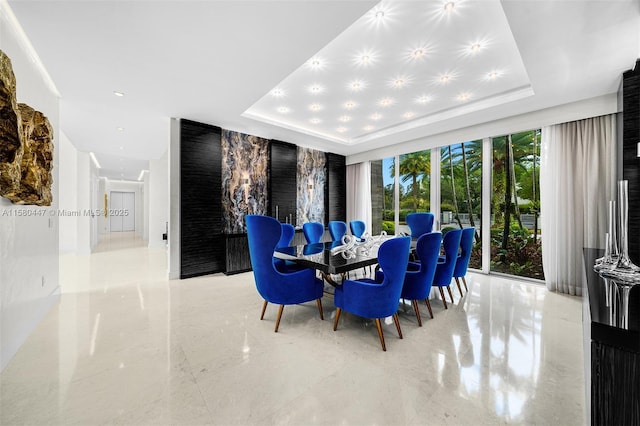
26 146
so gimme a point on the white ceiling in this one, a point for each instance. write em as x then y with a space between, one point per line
218 61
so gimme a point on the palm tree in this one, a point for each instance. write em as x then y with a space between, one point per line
413 167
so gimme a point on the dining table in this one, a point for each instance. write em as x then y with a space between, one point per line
333 258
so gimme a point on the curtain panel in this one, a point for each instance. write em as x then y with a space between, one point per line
359 193
577 180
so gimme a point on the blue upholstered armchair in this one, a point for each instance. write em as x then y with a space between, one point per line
444 270
419 223
337 229
291 288
419 277
370 299
357 228
313 232
466 245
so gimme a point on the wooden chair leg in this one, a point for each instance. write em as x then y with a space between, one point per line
429 306
397 321
450 293
320 309
335 321
443 299
415 308
464 281
379 327
279 316
458 283
264 308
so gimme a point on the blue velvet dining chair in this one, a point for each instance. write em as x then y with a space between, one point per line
357 228
466 245
370 299
337 229
420 223
288 288
419 277
313 232
444 269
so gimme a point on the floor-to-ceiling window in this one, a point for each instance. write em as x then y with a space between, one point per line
515 205
513 193
461 191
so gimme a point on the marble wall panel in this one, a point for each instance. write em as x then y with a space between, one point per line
312 179
245 160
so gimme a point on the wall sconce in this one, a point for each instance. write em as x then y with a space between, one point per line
310 185
245 179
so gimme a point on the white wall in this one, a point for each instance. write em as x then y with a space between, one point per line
83 221
68 195
145 201
29 282
174 197
158 200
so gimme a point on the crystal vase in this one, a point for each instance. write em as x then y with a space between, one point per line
624 264
611 253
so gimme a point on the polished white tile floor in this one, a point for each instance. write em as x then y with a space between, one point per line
126 346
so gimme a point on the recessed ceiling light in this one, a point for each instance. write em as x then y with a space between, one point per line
119 94
122 148
423 99
463 97
379 14
315 107
448 6
368 128
315 121
475 47
277 93
316 63
350 105
445 78
345 118
399 82
365 58
315 89
493 75
376 116
357 85
385 102
418 53
342 129
120 129
283 110
408 114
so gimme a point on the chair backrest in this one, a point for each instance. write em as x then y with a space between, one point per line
466 245
263 233
337 229
420 223
357 228
288 231
393 256
428 249
444 271
313 232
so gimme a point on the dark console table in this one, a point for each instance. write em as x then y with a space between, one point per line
615 353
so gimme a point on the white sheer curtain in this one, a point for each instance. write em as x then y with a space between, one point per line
359 193
577 180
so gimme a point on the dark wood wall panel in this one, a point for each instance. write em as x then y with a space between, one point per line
283 182
238 259
202 244
336 188
630 161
